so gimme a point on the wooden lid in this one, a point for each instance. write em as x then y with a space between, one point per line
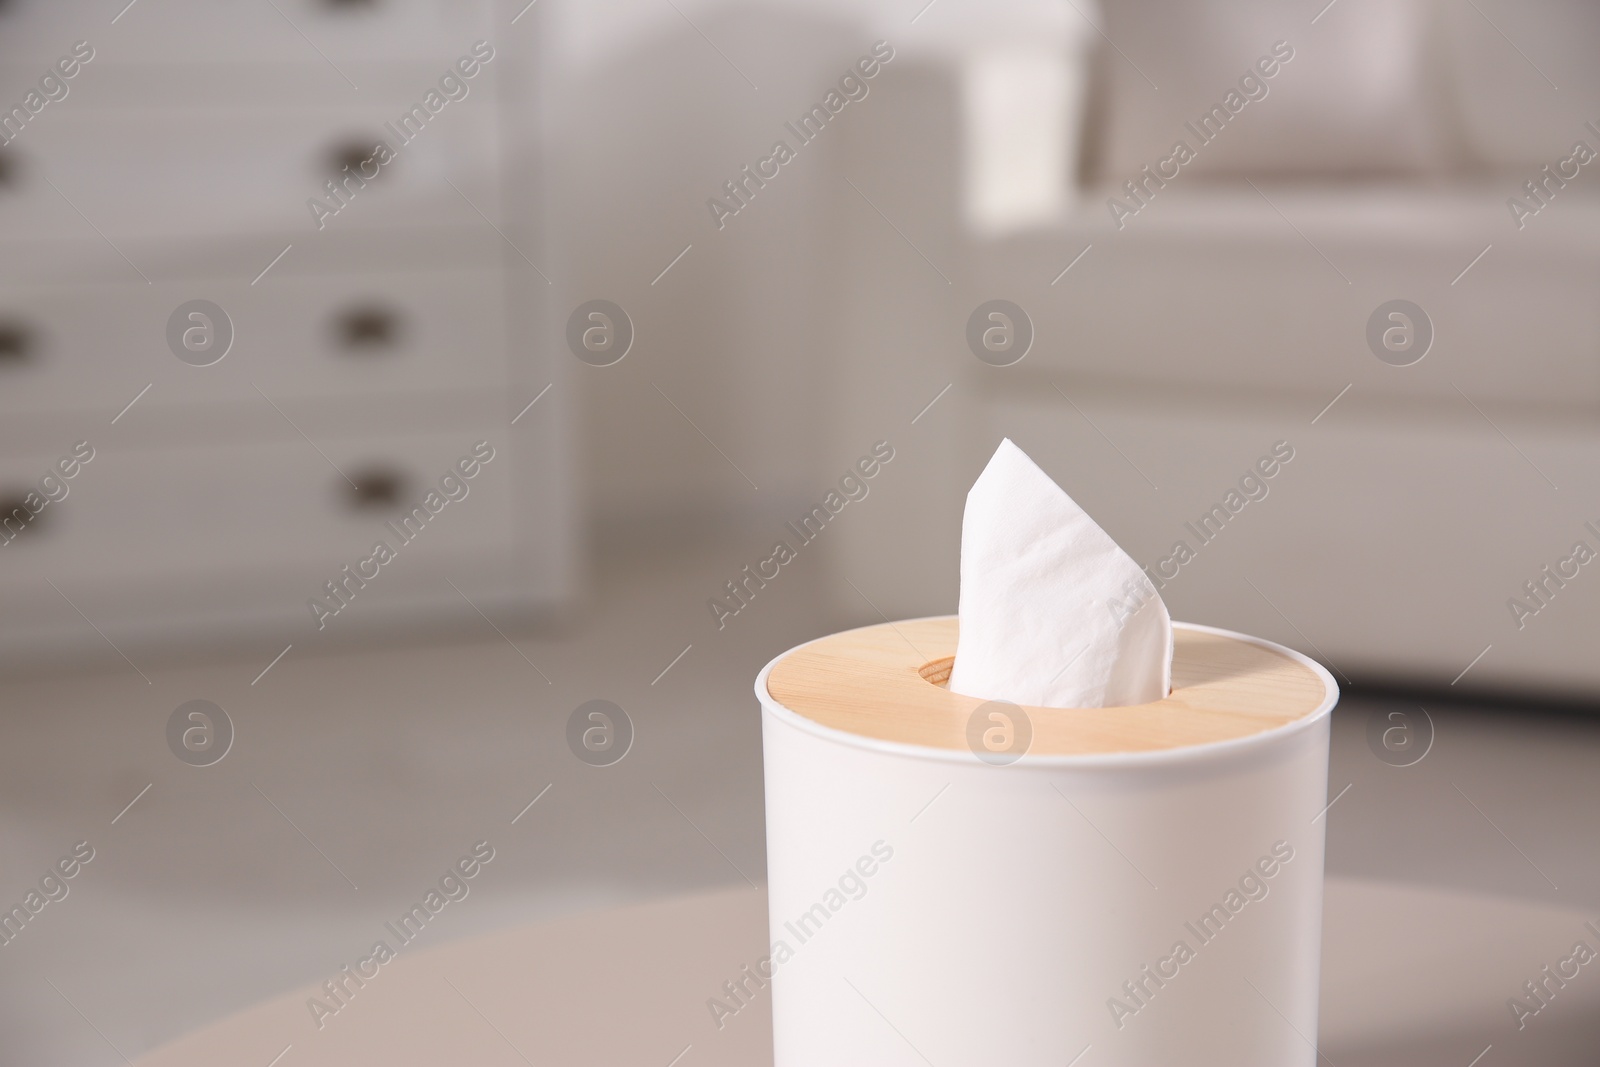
886 682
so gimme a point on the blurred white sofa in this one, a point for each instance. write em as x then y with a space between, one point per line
1232 312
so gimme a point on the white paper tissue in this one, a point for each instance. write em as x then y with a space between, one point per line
1053 612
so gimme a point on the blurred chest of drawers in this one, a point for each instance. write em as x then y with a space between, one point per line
269 262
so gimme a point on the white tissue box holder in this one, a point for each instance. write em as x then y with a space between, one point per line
1145 882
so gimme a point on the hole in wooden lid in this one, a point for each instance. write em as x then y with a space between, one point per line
937 671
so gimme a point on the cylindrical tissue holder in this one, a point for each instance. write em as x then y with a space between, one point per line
973 884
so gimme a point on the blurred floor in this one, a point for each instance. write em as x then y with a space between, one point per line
391 763
388 764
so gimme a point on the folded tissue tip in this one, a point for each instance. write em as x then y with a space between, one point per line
1053 613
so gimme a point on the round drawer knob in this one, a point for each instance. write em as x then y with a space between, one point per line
368 328
17 344
374 489
358 158
15 518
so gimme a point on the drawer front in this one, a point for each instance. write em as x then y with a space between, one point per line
179 529
194 174
188 31
91 347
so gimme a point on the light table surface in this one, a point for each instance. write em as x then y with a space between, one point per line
1410 975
